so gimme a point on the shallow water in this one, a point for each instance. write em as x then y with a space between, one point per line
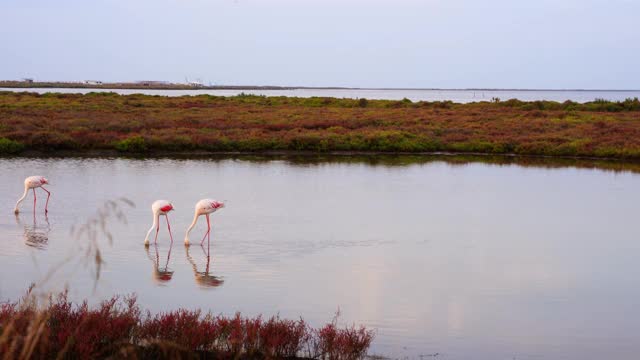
458 96
466 260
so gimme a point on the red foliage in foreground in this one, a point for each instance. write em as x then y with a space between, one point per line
117 327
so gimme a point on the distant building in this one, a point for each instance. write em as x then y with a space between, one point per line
28 80
193 83
93 82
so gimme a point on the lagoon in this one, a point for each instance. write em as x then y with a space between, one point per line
463 259
457 96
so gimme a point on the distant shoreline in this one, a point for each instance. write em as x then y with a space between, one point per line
170 86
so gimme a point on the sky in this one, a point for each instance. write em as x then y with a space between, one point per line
542 44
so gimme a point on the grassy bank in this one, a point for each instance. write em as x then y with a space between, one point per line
144 124
118 328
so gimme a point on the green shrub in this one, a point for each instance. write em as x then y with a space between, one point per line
630 104
134 143
8 146
510 102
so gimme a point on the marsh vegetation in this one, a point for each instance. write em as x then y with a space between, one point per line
247 123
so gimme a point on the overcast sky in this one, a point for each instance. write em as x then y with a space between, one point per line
591 44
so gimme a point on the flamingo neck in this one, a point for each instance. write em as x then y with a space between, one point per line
26 191
156 218
195 219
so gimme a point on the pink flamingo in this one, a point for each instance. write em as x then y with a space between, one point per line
204 207
159 207
31 183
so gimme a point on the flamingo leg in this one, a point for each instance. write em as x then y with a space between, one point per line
34 200
208 230
46 206
169 227
157 230
204 237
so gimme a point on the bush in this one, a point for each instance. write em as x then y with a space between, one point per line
8 146
118 327
330 342
49 140
134 143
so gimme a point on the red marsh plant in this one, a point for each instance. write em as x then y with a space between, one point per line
332 342
59 328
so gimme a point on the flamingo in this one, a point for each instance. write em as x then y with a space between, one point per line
204 207
159 207
31 183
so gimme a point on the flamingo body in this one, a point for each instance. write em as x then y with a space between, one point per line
204 207
159 207
32 183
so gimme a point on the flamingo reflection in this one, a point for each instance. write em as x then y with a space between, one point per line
36 236
203 278
161 275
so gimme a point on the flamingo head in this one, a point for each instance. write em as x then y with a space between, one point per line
43 181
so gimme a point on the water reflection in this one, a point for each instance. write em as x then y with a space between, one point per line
308 160
161 275
203 278
36 236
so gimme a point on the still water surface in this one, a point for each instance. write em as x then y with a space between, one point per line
458 96
463 260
